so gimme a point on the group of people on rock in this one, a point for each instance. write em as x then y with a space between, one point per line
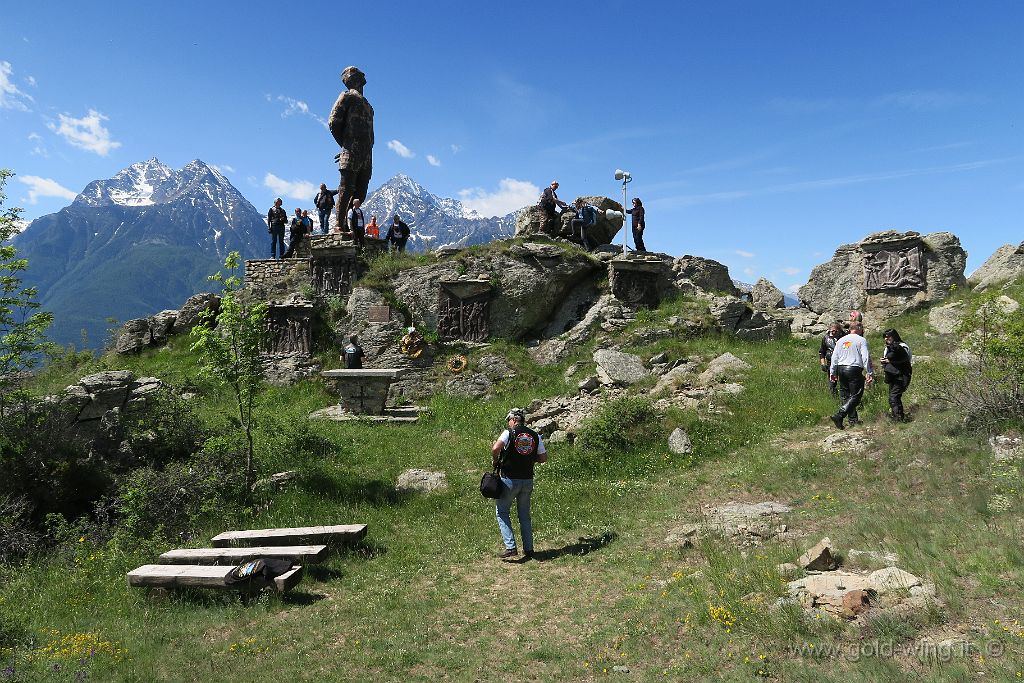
584 219
354 227
845 358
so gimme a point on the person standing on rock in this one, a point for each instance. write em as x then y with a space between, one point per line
324 201
351 124
850 360
397 235
828 345
639 224
297 231
356 222
514 455
277 217
897 371
549 201
585 218
353 354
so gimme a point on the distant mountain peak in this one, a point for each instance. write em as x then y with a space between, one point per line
149 182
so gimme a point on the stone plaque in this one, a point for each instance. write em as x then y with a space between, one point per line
463 310
289 329
894 269
379 314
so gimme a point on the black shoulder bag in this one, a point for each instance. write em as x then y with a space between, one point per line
491 485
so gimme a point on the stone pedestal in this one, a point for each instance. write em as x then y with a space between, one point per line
364 391
637 281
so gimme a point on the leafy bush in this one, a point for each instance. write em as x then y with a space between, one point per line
989 390
174 501
619 426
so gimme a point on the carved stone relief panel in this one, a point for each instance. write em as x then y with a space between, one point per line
463 310
289 329
894 269
332 275
636 286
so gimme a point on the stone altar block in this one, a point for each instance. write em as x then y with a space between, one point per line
363 391
635 281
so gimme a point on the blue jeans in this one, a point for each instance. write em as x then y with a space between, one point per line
276 238
325 220
517 490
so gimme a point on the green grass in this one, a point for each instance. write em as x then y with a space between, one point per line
425 599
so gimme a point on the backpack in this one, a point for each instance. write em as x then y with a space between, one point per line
910 355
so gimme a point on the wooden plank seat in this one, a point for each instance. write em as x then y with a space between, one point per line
204 576
298 554
338 533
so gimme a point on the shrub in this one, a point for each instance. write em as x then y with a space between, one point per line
989 390
621 425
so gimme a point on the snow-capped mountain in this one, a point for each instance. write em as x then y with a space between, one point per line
433 221
136 243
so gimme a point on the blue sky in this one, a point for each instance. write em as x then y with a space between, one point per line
760 134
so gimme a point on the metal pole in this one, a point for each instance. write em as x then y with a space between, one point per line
624 229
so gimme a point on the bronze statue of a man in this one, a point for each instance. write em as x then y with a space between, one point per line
351 124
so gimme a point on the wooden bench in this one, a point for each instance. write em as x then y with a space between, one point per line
194 576
338 533
298 554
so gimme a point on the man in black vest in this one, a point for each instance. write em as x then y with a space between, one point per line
514 454
353 354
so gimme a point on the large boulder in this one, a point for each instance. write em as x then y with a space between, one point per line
532 221
1005 265
696 273
527 284
190 311
766 296
884 275
133 336
615 367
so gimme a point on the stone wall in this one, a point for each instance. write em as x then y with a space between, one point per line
270 273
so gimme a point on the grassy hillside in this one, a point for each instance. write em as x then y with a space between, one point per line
424 598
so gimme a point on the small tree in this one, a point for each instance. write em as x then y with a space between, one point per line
230 343
22 325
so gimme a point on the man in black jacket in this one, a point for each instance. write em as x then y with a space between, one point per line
276 219
398 234
296 233
828 345
324 201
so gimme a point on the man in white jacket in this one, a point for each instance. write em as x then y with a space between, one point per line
850 360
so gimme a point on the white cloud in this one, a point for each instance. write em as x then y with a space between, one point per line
10 96
223 168
432 160
744 254
31 80
794 288
39 149
44 187
400 149
302 190
749 272
511 195
456 148
298 107
86 133
790 270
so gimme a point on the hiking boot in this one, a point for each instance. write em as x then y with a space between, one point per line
512 552
854 421
837 420
527 555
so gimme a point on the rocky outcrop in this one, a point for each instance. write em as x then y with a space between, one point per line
884 275
135 335
95 395
189 315
766 296
528 282
422 481
695 274
732 314
1005 265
